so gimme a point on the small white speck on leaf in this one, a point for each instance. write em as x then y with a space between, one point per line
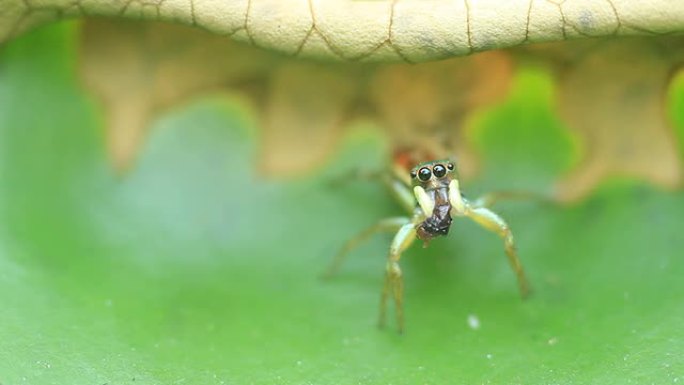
552 341
489 356
473 322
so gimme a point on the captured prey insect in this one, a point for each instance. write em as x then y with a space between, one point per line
435 198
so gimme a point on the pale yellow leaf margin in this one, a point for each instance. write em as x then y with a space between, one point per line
375 30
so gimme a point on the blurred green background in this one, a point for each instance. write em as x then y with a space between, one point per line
194 270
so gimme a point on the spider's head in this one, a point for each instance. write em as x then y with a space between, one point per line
433 175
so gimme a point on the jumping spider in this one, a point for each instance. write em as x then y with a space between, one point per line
435 199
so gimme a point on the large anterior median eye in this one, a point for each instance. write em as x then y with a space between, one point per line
439 170
424 174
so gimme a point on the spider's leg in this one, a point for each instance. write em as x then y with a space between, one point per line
396 181
385 225
402 193
394 282
491 221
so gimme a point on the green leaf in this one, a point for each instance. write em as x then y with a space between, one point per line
193 269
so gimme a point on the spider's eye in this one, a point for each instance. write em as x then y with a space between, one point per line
424 174
413 175
450 166
439 170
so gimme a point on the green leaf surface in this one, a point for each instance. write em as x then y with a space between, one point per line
194 270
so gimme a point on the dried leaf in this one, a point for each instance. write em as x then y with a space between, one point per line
611 94
615 105
407 30
425 106
307 105
139 70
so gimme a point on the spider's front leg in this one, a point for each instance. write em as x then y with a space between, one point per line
394 282
385 225
492 222
402 194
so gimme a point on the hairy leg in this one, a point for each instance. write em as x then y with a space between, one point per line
394 282
491 221
385 225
